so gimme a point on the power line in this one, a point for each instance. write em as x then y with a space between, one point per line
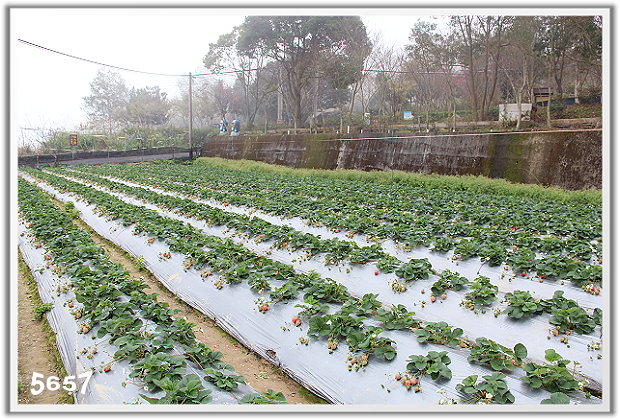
125 68
96 62
197 74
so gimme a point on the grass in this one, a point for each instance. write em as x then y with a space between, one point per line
54 355
476 184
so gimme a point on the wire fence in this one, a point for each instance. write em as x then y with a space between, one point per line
111 156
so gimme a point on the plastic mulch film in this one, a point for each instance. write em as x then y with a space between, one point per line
273 336
115 386
360 279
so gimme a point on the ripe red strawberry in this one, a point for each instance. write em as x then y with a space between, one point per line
295 319
523 274
596 292
542 276
106 369
376 273
264 308
433 298
338 230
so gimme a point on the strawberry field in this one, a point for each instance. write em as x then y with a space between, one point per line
395 293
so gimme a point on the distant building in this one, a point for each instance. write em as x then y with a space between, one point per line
510 112
542 95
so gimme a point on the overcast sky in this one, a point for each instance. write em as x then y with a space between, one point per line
47 89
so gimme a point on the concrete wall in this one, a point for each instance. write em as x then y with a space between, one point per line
567 159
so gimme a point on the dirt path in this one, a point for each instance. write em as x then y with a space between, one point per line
258 373
37 350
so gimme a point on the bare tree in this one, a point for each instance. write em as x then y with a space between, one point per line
519 64
482 43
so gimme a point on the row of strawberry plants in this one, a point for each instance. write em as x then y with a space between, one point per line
335 327
235 263
534 215
334 250
515 248
115 306
531 216
520 302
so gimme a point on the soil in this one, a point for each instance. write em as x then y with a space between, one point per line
36 349
258 373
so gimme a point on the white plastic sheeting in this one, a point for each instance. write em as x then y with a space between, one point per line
273 336
360 279
115 386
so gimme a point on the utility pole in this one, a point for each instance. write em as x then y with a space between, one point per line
191 145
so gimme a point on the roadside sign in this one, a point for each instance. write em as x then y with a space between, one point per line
73 139
407 115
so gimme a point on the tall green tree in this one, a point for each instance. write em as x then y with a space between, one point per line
299 44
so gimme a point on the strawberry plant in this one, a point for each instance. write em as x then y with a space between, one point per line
494 253
187 390
521 259
439 333
491 389
522 304
388 264
397 317
557 302
326 290
415 269
155 367
366 306
557 398
286 292
269 397
499 357
448 280
368 342
434 364
573 319
334 326
553 377
225 381
443 244
467 248
555 265
585 273
482 292
313 307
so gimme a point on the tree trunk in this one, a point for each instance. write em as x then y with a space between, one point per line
315 103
